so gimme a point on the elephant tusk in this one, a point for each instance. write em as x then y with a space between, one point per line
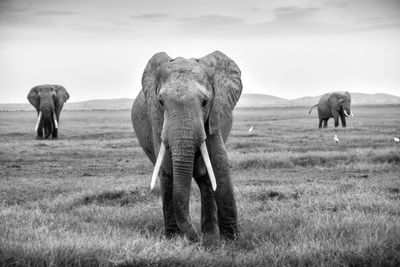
351 114
345 113
38 121
207 162
157 167
55 120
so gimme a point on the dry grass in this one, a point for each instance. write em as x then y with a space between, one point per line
302 199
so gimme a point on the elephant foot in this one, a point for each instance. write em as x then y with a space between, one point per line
171 232
192 235
229 233
210 240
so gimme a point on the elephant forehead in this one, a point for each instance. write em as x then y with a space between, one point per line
183 68
184 88
46 90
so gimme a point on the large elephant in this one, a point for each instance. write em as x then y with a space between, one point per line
184 115
48 101
333 105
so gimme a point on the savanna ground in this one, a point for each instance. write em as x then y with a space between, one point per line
84 199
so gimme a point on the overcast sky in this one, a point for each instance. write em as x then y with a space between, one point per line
98 49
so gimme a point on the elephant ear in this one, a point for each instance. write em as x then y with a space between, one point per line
347 95
33 97
334 101
150 84
61 96
61 93
150 74
227 85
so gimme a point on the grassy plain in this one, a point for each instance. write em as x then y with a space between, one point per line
302 199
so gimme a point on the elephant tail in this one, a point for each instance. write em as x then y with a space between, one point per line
312 108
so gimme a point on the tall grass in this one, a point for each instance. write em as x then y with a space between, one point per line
302 199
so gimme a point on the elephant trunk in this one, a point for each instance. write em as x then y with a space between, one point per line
185 133
182 155
47 123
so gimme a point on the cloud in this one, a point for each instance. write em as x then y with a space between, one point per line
55 13
151 16
210 24
295 14
213 20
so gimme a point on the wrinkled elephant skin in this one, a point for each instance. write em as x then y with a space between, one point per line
48 100
185 108
334 105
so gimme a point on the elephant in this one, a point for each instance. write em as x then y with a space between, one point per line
182 118
48 100
334 105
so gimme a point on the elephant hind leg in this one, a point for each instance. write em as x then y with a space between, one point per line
320 123
209 221
326 123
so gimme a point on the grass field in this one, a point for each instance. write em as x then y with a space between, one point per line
302 199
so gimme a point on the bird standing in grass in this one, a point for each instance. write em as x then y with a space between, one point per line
336 139
396 139
251 129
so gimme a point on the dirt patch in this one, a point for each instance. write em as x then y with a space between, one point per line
119 198
257 182
262 196
389 158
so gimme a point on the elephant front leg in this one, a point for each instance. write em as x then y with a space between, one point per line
55 133
39 133
209 221
227 213
335 115
171 226
343 119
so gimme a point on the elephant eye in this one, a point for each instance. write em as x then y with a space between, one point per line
161 102
204 103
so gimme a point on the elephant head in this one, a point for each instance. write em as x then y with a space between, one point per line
48 101
341 102
188 101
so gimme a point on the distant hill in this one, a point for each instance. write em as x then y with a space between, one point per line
99 104
246 100
119 103
257 100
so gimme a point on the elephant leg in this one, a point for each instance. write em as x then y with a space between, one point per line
209 221
326 123
55 133
320 123
343 119
335 115
227 213
171 226
39 133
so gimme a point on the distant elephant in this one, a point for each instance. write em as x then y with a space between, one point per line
183 111
334 105
48 101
